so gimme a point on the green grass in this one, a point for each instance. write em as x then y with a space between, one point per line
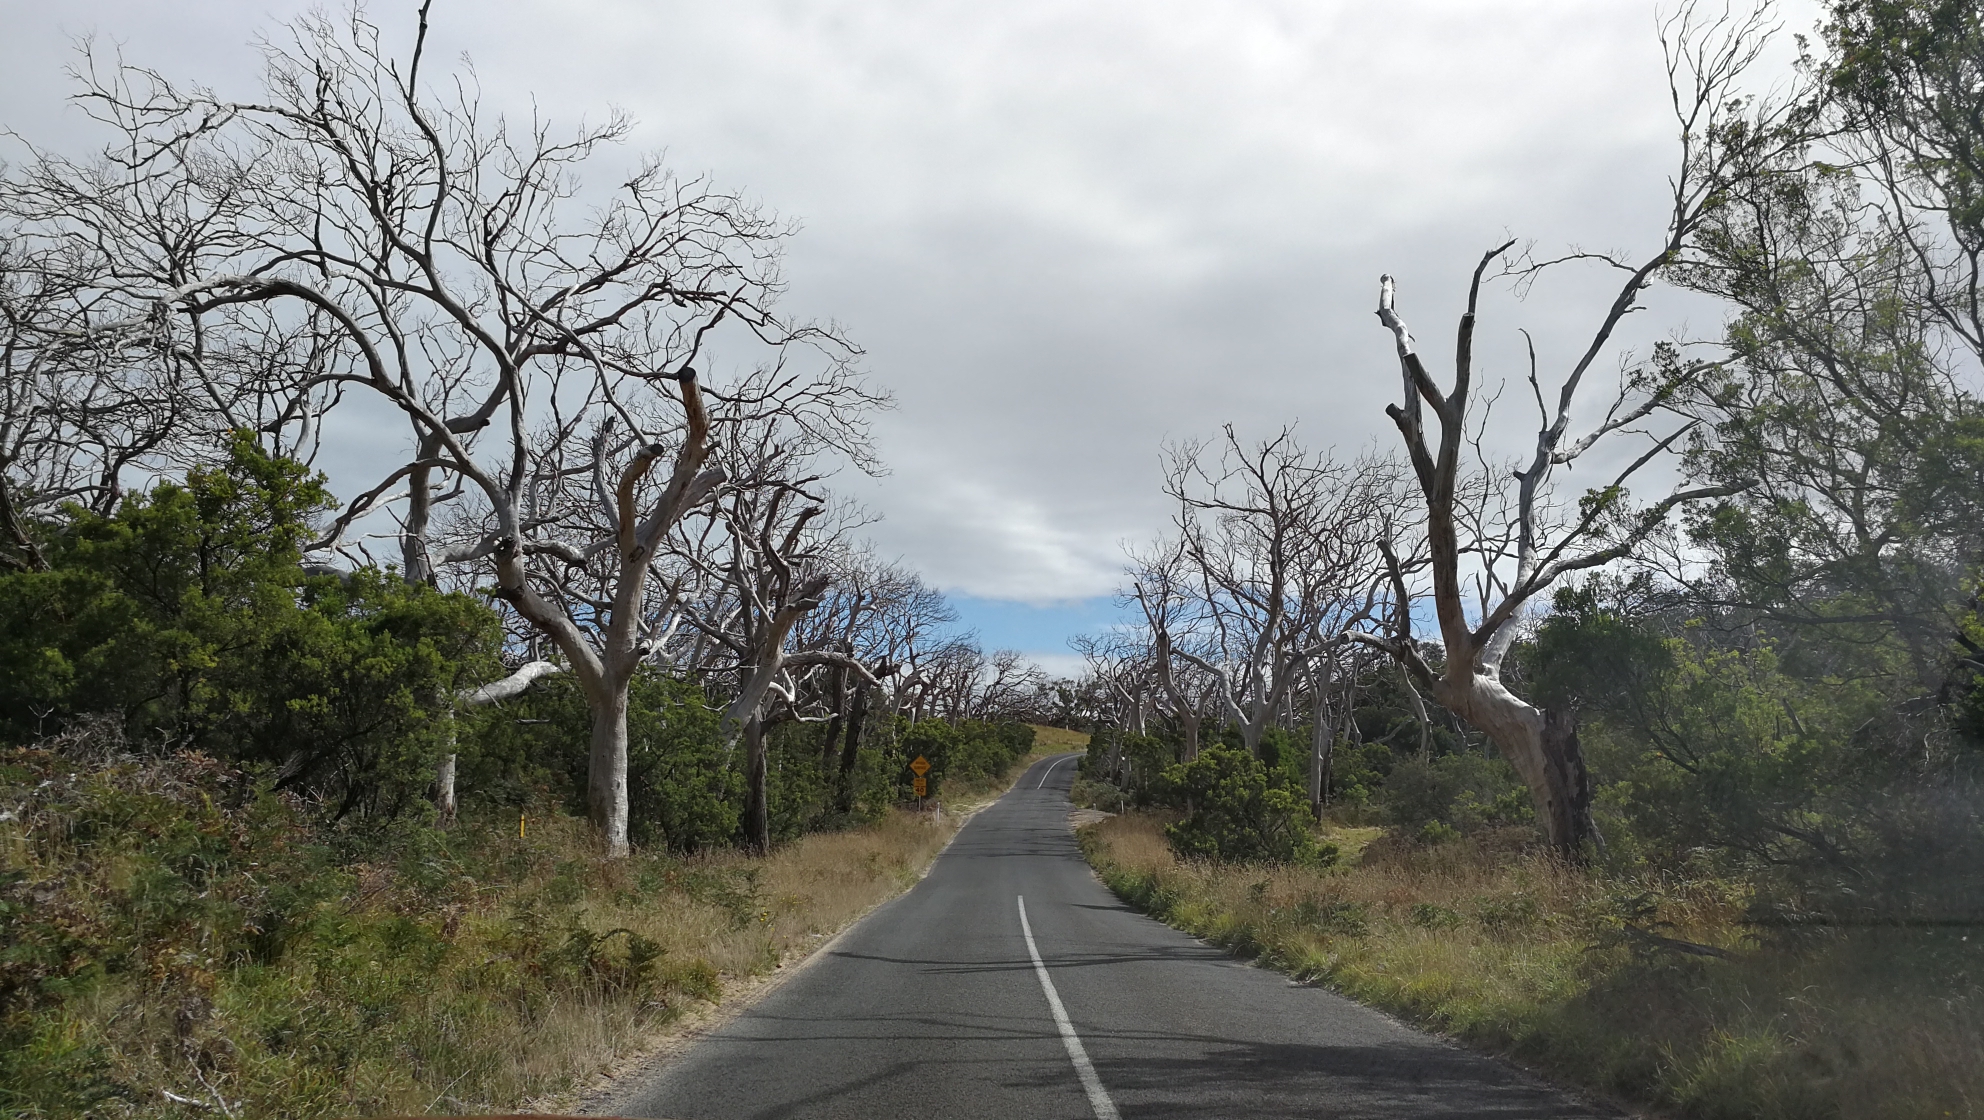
1510 950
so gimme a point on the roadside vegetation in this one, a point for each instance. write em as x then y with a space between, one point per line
228 884
1651 989
1681 797
580 701
1679 794
180 936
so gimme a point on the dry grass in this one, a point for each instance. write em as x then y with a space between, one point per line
1512 950
491 999
459 972
792 902
1057 740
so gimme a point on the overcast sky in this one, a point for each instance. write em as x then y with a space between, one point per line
1067 231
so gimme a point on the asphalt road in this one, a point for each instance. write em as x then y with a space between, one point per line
936 1006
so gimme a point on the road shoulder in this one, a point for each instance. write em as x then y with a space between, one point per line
623 1080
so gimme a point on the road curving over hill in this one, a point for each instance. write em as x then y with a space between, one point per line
1011 984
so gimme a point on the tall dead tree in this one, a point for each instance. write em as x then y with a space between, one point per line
774 568
94 387
1277 541
868 606
1116 683
1515 555
539 341
1158 586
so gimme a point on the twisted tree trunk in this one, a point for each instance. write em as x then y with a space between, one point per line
1543 747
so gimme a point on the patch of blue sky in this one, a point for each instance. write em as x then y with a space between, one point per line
1035 629
1041 630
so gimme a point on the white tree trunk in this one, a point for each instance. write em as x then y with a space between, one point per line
1543 748
1322 741
1419 713
444 790
606 788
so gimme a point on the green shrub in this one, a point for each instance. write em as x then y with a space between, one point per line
969 750
683 790
1357 773
187 614
684 793
1437 832
1457 793
1236 815
1132 765
166 918
1507 913
1428 915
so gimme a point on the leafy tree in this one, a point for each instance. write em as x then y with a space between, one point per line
1851 402
1712 744
188 615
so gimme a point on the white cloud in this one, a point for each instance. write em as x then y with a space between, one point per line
1067 665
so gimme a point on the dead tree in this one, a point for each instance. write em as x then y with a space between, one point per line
1276 540
1724 139
540 348
1003 685
1329 698
868 604
1158 587
93 386
773 570
1119 678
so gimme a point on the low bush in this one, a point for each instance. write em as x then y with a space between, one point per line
187 615
1132 766
1441 798
1234 813
966 751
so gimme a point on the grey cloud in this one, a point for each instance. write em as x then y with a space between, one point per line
1067 232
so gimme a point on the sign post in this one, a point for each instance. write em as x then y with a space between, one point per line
921 767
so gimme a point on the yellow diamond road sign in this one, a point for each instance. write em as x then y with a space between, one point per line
921 766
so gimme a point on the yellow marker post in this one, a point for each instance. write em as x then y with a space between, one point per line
520 826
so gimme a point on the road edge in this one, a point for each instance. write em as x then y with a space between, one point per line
619 1083
1593 1097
